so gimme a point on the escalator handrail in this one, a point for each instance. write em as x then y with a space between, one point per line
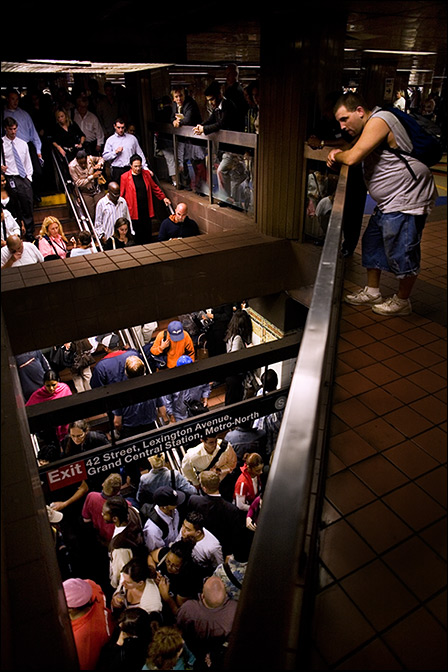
66 189
82 215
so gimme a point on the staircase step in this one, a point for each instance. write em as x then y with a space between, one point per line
53 199
61 211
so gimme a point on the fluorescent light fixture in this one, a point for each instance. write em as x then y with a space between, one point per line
350 49
412 70
49 61
176 72
403 53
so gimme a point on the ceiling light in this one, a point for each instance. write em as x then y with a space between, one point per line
48 61
403 53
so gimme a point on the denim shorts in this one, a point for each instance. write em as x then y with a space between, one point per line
391 242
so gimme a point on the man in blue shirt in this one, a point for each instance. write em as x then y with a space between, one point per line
178 404
118 150
140 417
25 126
26 131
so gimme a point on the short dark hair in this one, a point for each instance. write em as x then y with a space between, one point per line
118 508
85 237
50 453
196 519
182 549
135 157
9 122
214 89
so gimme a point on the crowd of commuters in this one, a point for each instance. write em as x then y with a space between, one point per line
155 557
92 138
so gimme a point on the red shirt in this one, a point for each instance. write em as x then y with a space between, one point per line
92 630
127 190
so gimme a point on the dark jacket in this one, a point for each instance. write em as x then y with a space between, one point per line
221 518
223 118
132 535
186 229
190 110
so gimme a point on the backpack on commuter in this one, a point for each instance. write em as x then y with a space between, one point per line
425 137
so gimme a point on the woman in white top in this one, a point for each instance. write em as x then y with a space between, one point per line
400 101
137 588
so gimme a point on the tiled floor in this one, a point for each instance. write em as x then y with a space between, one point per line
382 598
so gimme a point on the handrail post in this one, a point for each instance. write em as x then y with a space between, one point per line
210 169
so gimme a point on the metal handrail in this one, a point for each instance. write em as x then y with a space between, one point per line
77 204
236 138
272 610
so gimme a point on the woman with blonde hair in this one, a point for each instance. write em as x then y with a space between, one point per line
53 242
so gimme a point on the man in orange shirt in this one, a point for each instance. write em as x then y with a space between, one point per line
174 342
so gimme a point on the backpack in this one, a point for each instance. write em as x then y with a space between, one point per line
156 361
148 512
424 135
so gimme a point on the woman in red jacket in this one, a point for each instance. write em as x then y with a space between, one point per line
248 485
137 188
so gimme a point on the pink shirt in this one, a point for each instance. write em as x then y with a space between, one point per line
59 246
41 394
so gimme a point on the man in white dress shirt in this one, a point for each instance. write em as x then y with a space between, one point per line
118 150
18 168
89 125
108 209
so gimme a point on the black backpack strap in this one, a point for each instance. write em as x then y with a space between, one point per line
231 576
399 153
222 448
157 520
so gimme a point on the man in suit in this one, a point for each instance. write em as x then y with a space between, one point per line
221 518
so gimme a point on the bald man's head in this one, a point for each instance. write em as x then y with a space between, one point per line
214 592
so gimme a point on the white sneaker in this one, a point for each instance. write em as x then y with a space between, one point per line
363 298
393 306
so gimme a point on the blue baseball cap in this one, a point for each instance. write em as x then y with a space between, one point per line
176 330
184 359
